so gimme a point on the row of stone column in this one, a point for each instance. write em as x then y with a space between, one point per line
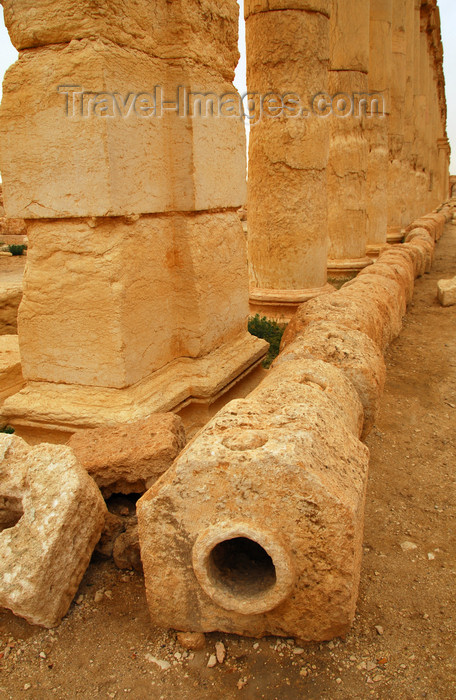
330 190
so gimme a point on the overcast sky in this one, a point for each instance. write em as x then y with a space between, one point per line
448 14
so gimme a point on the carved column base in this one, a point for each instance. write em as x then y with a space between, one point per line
395 235
347 268
65 408
280 304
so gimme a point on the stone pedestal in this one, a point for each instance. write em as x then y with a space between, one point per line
135 294
287 52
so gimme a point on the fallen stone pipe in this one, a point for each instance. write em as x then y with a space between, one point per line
257 528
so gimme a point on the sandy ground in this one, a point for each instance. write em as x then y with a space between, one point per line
402 644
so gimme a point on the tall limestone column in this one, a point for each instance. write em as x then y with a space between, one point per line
135 292
348 145
380 66
287 52
397 167
409 117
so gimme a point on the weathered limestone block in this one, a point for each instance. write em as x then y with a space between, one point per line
119 312
373 312
359 358
387 300
257 528
205 30
421 238
11 379
131 457
446 292
419 255
288 52
315 383
402 263
115 158
390 272
10 298
428 225
59 518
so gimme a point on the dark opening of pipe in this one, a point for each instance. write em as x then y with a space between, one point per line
242 567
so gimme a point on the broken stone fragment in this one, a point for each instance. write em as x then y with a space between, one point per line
446 292
126 552
130 458
56 518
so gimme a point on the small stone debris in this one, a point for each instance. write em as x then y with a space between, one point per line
27 686
241 683
408 546
79 599
161 663
338 681
298 651
379 629
212 661
194 641
431 556
220 652
98 597
108 594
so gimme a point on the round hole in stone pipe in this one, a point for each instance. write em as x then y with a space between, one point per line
242 568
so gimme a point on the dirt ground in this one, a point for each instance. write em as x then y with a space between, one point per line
403 642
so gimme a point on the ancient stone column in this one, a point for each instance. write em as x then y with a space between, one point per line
409 117
397 167
135 293
348 146
287 56
377 123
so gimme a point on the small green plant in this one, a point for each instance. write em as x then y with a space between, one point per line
6 429
15 249
262 327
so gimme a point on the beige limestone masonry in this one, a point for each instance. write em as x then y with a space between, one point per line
11 290
130 458
269 487
52 515
11 379
180 384
287 51
105 165
134 296
136 279
205 31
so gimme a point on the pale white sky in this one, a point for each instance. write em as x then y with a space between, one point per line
448 14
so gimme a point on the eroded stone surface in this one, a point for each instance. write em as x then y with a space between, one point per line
317 383
61 516
11 379
203 30
130 457
281 480
351 351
